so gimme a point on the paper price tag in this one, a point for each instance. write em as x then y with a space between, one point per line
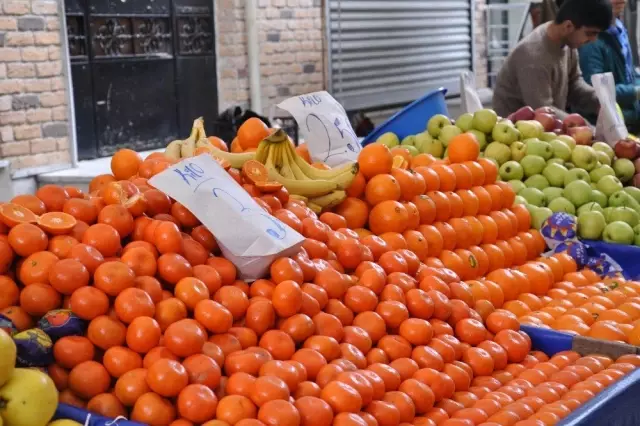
325 128
610 126
469 95
248 236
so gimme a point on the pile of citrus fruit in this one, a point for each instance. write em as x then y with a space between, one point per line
401 308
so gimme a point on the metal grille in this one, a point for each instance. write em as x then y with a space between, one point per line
389 52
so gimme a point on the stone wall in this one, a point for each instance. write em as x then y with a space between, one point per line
33 94
290 36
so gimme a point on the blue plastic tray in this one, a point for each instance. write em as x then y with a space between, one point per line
413 118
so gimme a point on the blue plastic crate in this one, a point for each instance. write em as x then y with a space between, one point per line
413 118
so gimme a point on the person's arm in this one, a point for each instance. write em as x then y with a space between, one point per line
535 87
592 61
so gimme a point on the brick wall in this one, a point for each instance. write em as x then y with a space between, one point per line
290 36
33 110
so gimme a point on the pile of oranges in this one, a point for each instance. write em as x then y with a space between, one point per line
401 308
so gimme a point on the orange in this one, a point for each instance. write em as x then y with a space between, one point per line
375 159
464 147
447 177
382 187
251 133
388 216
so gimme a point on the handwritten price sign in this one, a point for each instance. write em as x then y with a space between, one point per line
325 127
248 236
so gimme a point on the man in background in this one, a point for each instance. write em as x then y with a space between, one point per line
543 68
612 52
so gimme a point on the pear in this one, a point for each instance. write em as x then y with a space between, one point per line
7 357
29 398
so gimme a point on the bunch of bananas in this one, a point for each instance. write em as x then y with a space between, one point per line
197 140
321 189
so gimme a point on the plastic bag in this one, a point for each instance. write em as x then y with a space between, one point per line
610 126
468 93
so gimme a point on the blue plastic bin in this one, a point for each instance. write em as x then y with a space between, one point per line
413 118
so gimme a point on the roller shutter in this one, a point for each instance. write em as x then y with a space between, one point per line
389 52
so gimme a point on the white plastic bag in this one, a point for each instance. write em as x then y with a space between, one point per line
325 127
468 94
610 126
247 235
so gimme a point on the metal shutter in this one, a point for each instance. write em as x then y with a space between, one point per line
389 52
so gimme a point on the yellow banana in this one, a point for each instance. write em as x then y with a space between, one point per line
173 150
306 188
198 124
262 152
314 207
345 179
188 148
315 173
332 199
278 136
298 198
235 160
203 143
297 173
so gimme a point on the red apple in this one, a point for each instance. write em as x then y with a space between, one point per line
582 134
557 124
626 148
547 120
637 164
524 113
636 180
546 110
573 120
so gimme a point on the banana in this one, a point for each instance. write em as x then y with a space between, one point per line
345 179
298 198
188 148
203 143
235 160
314 207
278 136
173 150
332 199
295 170
262 152
199 124
306 188
315 173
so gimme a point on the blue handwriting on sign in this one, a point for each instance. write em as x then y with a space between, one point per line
310 100
274 227
190 173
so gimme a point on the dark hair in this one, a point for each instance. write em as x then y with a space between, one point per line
586 13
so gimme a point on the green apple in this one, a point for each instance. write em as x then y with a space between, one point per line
498 152
555 161
484 120
389 139
551 193
409 140
505 133
29 398
591 224
578 192
576 174
621 199
555 174
7 357
539 215
569 165
529 129
533 165
624 169
600 198
465 122
561 204
449 132
607 213
560 149
609 185
590 206
412 150
511 170
436 123
534 196
537 181
619 233
571 142
421 139
584 157
548 136
517 185
626 215
600 172
604 147
518 150
603 158
519 200
430 145
636 240
538 147
633 191
480 137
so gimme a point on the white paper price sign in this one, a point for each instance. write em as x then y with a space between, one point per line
325 127
248 236
610 126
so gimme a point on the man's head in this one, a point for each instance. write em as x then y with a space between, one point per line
580 21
